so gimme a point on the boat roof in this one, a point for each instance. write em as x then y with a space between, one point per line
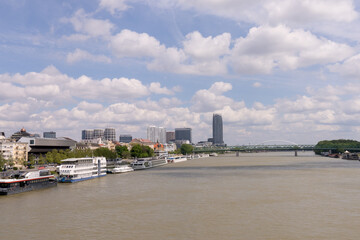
75 159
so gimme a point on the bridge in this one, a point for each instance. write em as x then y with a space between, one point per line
266 147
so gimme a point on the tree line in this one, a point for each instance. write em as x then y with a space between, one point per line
337 146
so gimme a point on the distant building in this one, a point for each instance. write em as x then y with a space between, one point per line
183 134
144 142
87 134
217 130
2 134
156 134
110 134
23 133
170 137
49 134
99 133
43 145
125 138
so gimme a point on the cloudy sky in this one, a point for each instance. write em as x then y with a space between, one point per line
275 69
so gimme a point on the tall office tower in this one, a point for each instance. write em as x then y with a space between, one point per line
170 137
162 135
156 134
110 134
87 134
125 138
217 130
98 133
183 134
49 134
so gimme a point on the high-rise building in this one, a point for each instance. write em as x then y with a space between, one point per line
156 134
87 134
110 134
125 138
170 137
99 133
49 134
217 130
182 134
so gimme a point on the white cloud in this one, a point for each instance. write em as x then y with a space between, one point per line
155 87
201 48
113 6
132 44
272 11
266 48
83 23
257 85
349 68
80 55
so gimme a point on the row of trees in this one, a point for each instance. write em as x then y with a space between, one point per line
336 146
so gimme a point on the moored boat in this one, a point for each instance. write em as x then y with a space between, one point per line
27 181
122 169
145 163
176 159
80 169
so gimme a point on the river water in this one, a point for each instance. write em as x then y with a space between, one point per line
253 196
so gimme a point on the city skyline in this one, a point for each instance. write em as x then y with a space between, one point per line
274 70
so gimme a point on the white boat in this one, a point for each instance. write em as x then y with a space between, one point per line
80 169
121 169
213 154
177 159
145 163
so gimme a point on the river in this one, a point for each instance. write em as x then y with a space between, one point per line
253 196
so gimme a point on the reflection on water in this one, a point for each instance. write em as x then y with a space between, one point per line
253 196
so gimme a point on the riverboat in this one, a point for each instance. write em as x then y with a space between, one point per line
121 169
80 169
177 159
145 163
27 181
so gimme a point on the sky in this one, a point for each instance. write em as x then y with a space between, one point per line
277 70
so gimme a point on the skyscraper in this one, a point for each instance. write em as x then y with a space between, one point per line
182 134
217 130
156 134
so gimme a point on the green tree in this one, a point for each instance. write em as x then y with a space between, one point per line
105 152
136 151
122 151
186 149
337 146
2 162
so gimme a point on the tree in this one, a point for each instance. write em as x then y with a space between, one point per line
2 162
122 151
186 149
141 151
136 151
105 152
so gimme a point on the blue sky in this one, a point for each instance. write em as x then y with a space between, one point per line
276 70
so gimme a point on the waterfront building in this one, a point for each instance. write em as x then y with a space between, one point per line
87 134
110 134
183 134
156 134
49 134
44 145
125 138
14 151
217 130
170 137
99 133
